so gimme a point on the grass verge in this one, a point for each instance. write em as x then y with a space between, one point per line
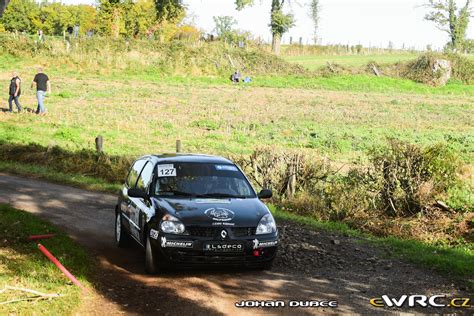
23 265
455 262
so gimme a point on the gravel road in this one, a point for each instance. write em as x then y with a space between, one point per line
311 265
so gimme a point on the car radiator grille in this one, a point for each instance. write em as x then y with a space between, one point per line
212 231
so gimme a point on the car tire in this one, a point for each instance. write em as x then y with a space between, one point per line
151 264
122 239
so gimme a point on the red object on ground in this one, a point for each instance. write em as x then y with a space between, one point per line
36 237
61 267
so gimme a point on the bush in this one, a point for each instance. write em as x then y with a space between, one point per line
420 70
187 33
463 68
408 177
285 172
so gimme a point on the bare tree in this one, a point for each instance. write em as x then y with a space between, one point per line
451 19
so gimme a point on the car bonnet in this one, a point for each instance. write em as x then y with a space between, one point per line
215 212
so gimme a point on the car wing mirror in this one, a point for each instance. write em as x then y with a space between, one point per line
137 193
265 194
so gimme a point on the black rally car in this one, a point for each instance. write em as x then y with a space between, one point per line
194 209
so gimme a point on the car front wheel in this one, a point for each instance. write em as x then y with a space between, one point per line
121 237
151 264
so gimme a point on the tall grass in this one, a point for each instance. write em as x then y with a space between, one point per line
101 55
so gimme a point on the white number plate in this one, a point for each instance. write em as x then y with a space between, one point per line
166 171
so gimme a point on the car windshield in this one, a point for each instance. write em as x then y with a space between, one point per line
202 180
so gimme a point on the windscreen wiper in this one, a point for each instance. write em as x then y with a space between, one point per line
177 193
222 195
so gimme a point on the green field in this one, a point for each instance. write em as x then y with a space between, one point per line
339 117
314 62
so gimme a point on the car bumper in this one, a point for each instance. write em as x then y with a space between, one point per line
186 250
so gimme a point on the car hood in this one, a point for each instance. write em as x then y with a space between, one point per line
214 212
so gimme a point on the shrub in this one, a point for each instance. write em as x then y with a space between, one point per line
420 70
285 172
463 68
409 177
187 33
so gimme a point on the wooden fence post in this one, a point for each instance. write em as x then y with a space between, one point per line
178 146
99 144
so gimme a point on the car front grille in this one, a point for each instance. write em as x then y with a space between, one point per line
213 231
202 231
243 231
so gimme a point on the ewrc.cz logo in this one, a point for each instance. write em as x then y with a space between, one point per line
420 301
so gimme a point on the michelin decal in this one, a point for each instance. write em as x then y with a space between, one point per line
258 244
175 243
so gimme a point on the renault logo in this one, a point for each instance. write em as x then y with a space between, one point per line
223 234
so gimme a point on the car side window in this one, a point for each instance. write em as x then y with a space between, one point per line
145 177
134 173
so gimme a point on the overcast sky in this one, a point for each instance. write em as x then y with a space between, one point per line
368 22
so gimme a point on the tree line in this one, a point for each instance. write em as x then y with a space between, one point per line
163 18
127 18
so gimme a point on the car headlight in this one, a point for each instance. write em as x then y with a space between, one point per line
172 225
266 225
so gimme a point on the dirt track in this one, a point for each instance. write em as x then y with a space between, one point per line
311 265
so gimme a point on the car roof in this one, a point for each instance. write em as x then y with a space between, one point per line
197 158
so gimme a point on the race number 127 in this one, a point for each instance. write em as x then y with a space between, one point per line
166 171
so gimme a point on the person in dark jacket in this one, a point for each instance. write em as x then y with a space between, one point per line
235 77
43 86
14 92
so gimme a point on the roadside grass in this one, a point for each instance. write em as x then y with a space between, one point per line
45 173
457 262
314 62
23 265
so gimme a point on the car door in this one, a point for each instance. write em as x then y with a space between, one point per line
140 207
126 204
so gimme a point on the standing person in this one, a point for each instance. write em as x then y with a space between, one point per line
43 85
76 31
15 92
40 36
